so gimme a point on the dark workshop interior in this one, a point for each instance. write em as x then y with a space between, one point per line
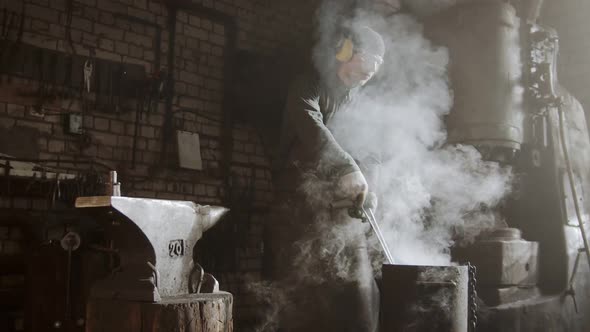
294 165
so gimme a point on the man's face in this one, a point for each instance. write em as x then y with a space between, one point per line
359 70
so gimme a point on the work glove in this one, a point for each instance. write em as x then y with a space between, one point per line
352 186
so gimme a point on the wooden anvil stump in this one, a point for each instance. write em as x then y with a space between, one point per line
195 312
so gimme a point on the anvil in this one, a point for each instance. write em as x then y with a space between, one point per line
154 240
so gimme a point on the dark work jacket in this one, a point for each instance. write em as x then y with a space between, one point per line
306 143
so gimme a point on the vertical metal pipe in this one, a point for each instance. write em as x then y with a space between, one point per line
570 176
227 142
167 126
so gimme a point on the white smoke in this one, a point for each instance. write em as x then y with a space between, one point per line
430 194
271 299
429 7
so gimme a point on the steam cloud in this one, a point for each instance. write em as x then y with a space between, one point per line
430 194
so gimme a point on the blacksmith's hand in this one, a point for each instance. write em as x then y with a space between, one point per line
353 186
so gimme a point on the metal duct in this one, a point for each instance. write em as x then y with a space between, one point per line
485 72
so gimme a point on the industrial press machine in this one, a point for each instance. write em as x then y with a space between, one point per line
532 275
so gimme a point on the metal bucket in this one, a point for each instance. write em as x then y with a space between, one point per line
424 298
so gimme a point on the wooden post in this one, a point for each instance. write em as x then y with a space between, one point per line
194 313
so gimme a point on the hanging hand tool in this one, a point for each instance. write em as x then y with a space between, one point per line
85 90
87 74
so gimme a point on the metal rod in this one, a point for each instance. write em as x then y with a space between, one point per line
371 217
58 160
570 176
68 308
167 126
138 110
575 269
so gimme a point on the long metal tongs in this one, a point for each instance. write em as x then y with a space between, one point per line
370 217
365 215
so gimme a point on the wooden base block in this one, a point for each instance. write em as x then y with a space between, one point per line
195 313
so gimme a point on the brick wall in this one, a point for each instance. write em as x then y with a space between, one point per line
97 28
